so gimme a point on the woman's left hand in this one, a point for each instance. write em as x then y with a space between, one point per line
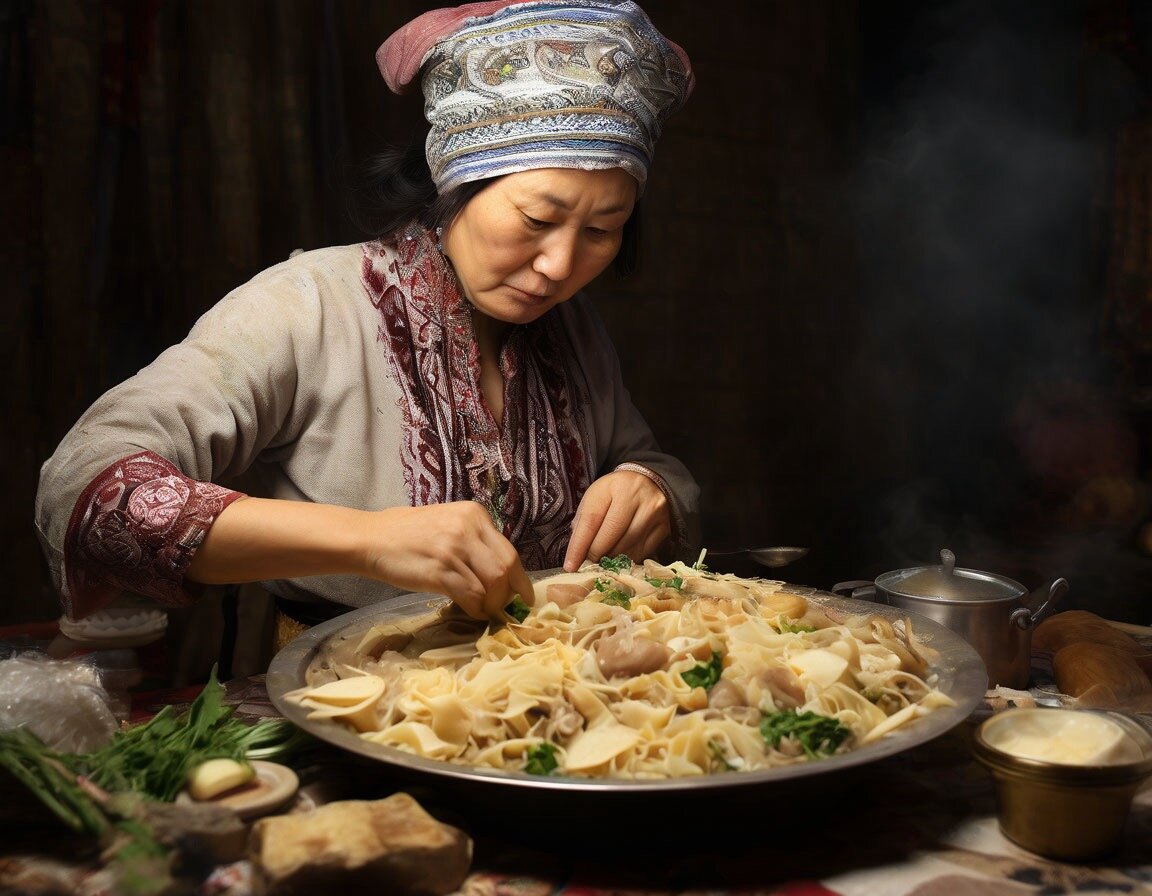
622 512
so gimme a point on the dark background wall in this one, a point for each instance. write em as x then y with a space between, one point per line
895 287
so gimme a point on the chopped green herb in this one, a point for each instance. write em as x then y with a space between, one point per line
619 563
705 675
817 735
518 610
675 582
787 626
611 594
721 760
541 759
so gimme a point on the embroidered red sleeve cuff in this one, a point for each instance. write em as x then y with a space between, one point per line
136 528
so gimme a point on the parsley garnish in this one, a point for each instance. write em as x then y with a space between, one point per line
817 735
612 595
619 563
674 582
518 610
541 759
704 675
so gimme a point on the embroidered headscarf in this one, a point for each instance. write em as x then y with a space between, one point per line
512 86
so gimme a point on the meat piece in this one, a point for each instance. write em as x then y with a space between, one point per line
563 587
564 594
784 686
725 694
623 655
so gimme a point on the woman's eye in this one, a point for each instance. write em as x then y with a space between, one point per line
534 223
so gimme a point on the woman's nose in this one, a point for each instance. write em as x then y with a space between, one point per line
556 257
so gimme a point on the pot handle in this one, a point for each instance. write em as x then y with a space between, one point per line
1050 595
857 589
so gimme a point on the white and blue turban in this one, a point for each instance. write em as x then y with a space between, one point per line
513 86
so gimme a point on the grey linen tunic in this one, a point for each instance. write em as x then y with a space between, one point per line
349 376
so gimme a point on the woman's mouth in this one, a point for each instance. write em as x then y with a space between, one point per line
533 298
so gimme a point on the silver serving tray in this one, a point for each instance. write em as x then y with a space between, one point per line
961 672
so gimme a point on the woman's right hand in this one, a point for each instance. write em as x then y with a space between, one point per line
453 549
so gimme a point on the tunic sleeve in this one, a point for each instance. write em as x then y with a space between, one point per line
135 528
130 492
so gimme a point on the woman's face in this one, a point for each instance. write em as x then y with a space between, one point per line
531 240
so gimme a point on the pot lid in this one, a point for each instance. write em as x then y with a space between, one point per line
947 583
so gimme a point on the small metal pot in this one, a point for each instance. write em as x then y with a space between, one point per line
993 613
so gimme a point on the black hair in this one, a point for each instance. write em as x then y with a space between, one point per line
395 190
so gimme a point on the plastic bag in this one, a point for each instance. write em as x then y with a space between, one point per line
60 701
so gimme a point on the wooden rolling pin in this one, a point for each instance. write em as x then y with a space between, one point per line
1095 662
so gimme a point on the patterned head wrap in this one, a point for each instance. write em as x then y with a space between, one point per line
512 86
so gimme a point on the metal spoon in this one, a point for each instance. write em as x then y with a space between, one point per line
773 557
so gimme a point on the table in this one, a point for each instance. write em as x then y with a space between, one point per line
920 823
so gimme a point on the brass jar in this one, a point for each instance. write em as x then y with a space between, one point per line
1072 808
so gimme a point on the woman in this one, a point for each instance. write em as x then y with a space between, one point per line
436 410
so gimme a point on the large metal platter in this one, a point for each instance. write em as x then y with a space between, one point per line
961 672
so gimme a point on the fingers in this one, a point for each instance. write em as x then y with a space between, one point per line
585 525
453 549
521 585
621 513
492 577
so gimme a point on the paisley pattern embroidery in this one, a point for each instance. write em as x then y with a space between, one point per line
531 474
135 528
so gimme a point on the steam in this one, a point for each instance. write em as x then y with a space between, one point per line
974 211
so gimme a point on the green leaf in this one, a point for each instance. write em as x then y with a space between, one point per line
817 735
46 774
705 675
541 759
518 610
617 598
154 758
619 563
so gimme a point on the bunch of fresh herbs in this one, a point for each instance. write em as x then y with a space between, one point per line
152 759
